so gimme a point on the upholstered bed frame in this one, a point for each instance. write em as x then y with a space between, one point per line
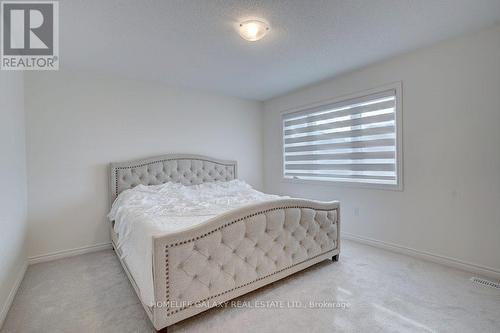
231 254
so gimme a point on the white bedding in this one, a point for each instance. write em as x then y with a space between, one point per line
145 211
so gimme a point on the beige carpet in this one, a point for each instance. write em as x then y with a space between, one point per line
368 290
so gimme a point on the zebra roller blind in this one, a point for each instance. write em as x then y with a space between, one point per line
349 141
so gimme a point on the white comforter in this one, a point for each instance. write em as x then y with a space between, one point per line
145 211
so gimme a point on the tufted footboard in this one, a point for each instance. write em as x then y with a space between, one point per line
237 252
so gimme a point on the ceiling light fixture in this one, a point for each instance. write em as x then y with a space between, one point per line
253 30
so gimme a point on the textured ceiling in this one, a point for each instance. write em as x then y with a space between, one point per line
194 44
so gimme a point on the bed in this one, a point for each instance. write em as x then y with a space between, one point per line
192 268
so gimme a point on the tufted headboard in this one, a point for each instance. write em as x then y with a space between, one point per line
179 168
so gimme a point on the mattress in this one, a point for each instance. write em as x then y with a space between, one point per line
143 212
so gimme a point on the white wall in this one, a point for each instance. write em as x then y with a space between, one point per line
451 138
79 122
13 193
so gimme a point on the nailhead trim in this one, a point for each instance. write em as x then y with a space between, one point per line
115 169
167 291
224 226
116 182
238 220
172 159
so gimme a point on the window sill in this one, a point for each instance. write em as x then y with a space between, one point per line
386 187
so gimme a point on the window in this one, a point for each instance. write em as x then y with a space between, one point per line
352 141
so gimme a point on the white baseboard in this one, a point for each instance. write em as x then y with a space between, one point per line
447 261
8 302
68 253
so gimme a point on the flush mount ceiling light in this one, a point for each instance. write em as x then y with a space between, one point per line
253 30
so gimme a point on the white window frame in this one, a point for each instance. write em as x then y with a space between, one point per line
397 87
